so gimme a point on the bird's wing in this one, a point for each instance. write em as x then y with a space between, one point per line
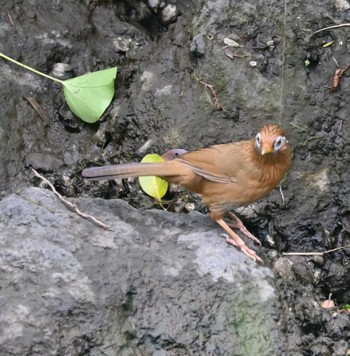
218 163
209 175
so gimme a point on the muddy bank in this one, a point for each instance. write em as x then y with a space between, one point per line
279 73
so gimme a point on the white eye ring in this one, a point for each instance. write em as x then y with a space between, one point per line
279 143
258 140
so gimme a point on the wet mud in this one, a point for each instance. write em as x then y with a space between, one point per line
179 85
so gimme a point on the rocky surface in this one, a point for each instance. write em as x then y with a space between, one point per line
152 284
190 74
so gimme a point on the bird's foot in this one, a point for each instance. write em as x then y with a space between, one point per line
235 240
238 224
245 249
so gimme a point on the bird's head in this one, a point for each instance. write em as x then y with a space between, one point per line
270 140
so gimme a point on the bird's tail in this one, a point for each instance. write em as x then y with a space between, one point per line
161 169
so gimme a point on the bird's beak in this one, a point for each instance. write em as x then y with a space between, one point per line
266 148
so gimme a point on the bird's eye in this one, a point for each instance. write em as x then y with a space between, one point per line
258 140
279 143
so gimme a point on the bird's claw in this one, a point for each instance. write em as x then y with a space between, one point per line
244 231
245 249
238 224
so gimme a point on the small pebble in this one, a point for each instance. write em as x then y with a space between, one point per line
147 79
145 147
122 44
231 43
198 46
169 13
154 4
60 69
342 5
284 268
189 206
270 240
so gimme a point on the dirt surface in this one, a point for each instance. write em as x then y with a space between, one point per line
180 86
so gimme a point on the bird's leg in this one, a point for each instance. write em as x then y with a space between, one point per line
235 240
238 224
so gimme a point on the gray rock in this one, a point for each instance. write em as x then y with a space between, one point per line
154 283
46 161
198 47
169 13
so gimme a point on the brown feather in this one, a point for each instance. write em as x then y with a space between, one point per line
226 175
161 169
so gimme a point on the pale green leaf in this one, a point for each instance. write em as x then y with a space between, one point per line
154 186
89 95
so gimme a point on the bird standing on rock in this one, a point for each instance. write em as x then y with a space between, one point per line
226 176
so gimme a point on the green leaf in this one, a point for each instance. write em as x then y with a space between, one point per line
89 95
154 186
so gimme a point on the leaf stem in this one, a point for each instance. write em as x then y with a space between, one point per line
314 253
31 69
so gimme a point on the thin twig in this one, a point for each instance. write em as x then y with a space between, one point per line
314 253
281 192
69 204
44 116
210 87
235 55
337 75
334 27
10 19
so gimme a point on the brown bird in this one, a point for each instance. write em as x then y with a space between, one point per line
226 176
